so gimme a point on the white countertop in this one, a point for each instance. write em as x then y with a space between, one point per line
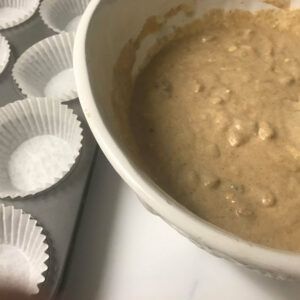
125 253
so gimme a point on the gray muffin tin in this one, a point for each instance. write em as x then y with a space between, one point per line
57 209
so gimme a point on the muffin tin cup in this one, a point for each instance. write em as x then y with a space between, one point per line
40 140
23 252
46 69
62 15
15 12
4 53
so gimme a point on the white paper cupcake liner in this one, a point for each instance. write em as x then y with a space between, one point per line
40 140
15 12
22 252
62 15
46 69
4 53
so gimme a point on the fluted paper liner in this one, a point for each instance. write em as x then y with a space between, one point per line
15 12
40 140
4 53
22 252
62 15
46 69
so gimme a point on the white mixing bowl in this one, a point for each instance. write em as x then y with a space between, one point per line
105 28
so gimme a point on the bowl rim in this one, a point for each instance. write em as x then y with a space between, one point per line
202 233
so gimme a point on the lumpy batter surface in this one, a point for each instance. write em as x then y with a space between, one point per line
216 116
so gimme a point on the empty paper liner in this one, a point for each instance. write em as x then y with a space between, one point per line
4 53
46 69
15 12
40 140
62 15
22 252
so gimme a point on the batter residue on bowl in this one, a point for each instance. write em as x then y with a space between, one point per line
216 116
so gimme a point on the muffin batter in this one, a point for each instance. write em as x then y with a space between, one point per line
216 117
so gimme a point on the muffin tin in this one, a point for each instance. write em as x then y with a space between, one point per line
57 209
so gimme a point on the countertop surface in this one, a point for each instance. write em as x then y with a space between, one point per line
123 252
